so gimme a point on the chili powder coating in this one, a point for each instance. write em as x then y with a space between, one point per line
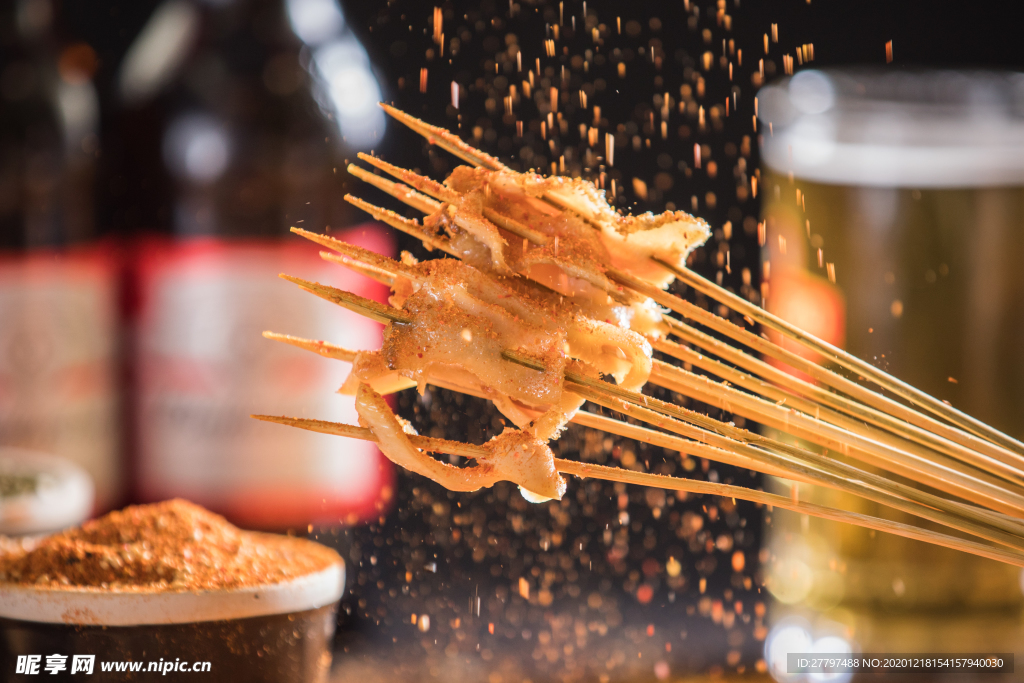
172 546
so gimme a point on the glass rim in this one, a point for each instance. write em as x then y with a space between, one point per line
896 127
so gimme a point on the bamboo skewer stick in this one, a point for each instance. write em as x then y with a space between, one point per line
935 449
677 443
962 421
818 412
700 427
323 348
846 360
937 471
997 467
445 140
353 302
354 252
409 227
436 190
976 521
586 470
582 418
819 373
834 475
964 485
411 197
374 273
603 423
982 454
422 183
385 314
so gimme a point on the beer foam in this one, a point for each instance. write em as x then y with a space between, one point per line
924 129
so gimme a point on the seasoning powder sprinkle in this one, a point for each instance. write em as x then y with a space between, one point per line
173 546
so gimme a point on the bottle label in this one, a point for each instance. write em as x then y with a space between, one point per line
204 367
59 372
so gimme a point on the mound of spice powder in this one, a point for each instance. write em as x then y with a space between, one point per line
174 546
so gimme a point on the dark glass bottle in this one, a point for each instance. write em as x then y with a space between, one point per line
59 325
246 152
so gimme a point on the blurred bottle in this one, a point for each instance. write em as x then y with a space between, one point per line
58 285
246 151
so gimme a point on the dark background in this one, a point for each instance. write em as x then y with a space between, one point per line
413 561
924 34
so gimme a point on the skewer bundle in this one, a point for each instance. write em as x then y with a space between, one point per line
900 447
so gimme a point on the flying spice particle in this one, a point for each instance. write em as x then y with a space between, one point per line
609 147
423 79
739 561
831 273
766 43
640 188
455 94
888 52
775 33
696 150
438 26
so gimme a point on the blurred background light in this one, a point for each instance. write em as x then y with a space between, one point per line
346 88
352 91
789 635
197 147
158 51
315 21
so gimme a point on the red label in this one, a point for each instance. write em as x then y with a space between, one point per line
59 377
203 368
